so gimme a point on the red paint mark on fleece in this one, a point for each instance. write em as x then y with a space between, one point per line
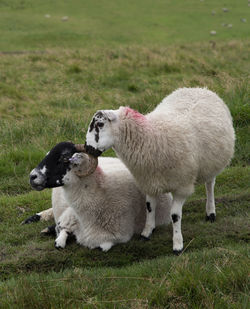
99 175
134 114
99 170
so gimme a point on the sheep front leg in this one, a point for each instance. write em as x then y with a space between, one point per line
210 205
61 239
67 224
150 217
176 215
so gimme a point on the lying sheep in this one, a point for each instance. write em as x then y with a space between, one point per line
187 139
99 204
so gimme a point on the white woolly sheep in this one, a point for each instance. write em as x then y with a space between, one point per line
187 139
100 205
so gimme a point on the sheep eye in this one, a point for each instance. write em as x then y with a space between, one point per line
64 159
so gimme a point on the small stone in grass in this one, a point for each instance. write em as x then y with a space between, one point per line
21 209
229 25
225 10
65 18
213 32
47 16
243 20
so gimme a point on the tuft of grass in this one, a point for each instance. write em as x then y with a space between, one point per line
74 68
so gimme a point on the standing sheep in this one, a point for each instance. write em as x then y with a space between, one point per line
100 205
187 139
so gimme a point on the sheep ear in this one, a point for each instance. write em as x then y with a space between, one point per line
111 115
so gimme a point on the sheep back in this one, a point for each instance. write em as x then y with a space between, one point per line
187 138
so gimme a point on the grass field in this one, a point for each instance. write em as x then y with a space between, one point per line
109 23
53 76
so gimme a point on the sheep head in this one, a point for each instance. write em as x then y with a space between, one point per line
54 169
100 135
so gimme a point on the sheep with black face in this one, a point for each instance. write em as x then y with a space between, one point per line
98 202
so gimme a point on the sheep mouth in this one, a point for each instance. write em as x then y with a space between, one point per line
92 151
38 187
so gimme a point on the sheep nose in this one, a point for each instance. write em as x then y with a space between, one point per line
33 177
37 181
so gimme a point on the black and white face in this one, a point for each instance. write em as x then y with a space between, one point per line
51 171
100 136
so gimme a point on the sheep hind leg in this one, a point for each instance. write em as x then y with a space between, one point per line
210 205
150 217
45 215
49 231
176 215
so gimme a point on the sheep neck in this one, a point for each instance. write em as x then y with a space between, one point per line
134 140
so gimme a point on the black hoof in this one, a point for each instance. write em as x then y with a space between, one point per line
144 238
58 247
49 231
211 218
177 252
32 219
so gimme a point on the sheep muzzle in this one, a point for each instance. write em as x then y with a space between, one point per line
92 151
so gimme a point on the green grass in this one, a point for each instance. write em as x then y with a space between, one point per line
206 279
54 76
110 23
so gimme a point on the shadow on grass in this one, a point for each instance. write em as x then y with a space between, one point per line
33 253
